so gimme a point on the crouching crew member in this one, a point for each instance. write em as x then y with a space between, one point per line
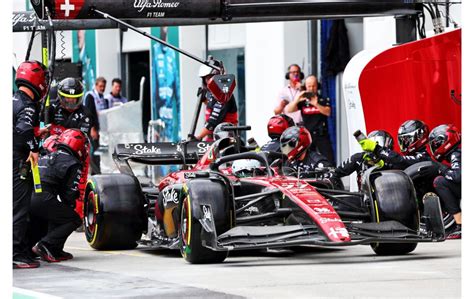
412 139
69 113
360 162
445 144
60 173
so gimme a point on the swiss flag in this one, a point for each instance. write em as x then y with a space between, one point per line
68 9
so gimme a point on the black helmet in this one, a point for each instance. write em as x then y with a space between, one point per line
219 133
412 136
383 138
70 93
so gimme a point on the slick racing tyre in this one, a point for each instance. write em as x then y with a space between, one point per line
114 216
395 200
203 198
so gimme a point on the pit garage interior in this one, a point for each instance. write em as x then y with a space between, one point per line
389 69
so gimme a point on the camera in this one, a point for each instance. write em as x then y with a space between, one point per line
308 94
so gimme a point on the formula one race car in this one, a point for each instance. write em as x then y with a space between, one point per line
220 204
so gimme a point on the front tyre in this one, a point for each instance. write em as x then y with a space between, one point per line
395 199
199 196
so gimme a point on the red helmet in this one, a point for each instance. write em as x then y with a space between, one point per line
75 140
443 139
412 136
295 141
35 76
278 124
50 143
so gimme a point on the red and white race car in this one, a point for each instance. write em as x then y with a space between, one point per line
208 209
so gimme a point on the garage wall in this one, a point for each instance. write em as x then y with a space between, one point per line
108 55
192 39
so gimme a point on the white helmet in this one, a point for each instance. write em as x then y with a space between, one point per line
218 133
244 167
205 70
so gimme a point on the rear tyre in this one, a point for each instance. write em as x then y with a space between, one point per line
395 199
199 196
114 215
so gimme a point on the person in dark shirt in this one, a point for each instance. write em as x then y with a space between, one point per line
60 173
69 113
295 143
412 139
315 111
95 101
445 144
32 82
217 111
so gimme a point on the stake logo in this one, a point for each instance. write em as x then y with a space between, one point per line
68 9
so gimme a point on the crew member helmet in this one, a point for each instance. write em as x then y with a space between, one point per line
412 136
383 138
295 141
76 141
70 93
34 75
219 133
443 140
278 124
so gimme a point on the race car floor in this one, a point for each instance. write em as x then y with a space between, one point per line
432 270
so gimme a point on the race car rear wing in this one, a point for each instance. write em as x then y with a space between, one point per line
160 153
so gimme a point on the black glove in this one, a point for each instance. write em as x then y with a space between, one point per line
192 138
442 169
425 171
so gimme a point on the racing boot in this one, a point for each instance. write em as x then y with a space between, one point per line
63 255
455 234
24 262
45 253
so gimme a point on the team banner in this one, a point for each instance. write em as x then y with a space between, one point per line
84 51
165 93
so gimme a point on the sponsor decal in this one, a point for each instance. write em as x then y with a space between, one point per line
170 196
68 9
326 220
206 212
202 147
140 149
140 5
322 210
338 231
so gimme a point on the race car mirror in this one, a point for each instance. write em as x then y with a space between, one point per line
222 87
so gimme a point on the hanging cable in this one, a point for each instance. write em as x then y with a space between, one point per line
30 44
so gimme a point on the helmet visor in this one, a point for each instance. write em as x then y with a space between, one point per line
405 140
287 147
70 102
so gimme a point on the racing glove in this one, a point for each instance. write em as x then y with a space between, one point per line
371 160
368 145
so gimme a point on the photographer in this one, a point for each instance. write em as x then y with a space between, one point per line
315 112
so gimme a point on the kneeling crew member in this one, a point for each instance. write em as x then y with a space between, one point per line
445 144
60 173
275 127
412 139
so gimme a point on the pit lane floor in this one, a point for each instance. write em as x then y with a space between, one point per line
433 270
